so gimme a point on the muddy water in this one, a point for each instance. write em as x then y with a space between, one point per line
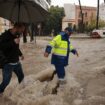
85 78
34 92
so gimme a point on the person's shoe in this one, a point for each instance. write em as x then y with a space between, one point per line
62 81
59 86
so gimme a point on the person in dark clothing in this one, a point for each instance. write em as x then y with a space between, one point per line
9 46
25 36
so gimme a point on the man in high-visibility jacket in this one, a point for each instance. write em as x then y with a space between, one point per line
60 47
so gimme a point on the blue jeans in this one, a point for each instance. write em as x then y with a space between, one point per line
60 70
7 74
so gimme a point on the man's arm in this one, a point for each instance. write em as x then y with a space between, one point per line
52 44
4 43
47 51
20 53
73 50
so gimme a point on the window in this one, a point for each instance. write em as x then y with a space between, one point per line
103 33
69 24
85 14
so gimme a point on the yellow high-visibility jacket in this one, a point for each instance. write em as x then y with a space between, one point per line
60 47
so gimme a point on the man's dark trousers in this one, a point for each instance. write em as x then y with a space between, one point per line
7 74
60 70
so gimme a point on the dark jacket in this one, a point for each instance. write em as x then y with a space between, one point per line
9 48
61 60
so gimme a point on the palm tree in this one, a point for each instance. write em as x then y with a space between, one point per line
82 18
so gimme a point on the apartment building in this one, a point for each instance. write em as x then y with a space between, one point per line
73 15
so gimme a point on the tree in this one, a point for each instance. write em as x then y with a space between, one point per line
54 20
92 25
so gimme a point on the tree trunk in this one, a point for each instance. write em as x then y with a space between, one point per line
82 17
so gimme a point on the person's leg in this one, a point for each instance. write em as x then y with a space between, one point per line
7 74
19 72
24 38
60 70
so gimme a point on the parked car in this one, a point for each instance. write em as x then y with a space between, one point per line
98 33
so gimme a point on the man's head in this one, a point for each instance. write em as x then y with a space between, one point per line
68 30
18 28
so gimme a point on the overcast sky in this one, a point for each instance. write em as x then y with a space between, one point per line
83 2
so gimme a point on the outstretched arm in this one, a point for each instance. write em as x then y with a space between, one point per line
74 51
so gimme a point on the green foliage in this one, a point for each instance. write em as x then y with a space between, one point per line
92 25
101 23
54 20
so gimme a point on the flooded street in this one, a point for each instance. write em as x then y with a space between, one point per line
85 77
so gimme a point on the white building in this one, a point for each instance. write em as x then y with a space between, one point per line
102 11
70 15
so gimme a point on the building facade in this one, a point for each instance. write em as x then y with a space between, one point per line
73 15
102 11
4 25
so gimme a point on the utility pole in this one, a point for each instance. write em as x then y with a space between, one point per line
97 22
82 17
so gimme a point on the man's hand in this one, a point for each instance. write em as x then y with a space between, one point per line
77 53
46 54
22 57
17 40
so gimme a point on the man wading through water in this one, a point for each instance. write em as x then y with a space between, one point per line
60 47
9 55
